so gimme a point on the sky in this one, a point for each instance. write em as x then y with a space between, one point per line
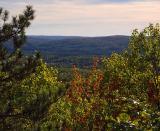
87 17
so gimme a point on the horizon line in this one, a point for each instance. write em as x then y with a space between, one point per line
76 35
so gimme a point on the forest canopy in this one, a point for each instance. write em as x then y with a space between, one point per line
123 93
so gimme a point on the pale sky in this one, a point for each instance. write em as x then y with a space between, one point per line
87 17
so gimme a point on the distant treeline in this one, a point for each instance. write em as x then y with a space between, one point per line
68 50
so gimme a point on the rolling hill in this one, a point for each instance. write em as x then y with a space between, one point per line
66 50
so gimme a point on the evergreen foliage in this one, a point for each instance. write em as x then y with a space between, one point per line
27 85
123 93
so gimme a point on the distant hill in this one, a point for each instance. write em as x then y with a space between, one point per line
79 46
65 48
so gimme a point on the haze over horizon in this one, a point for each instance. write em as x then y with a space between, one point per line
87 17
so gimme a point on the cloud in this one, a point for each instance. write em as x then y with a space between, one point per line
70 1
88 17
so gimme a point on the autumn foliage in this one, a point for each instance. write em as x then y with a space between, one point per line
120 92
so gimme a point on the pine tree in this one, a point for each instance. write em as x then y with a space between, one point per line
14 66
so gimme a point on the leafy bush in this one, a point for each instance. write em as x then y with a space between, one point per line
123 95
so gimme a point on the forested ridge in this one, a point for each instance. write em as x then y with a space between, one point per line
118 92
65 51
75 46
